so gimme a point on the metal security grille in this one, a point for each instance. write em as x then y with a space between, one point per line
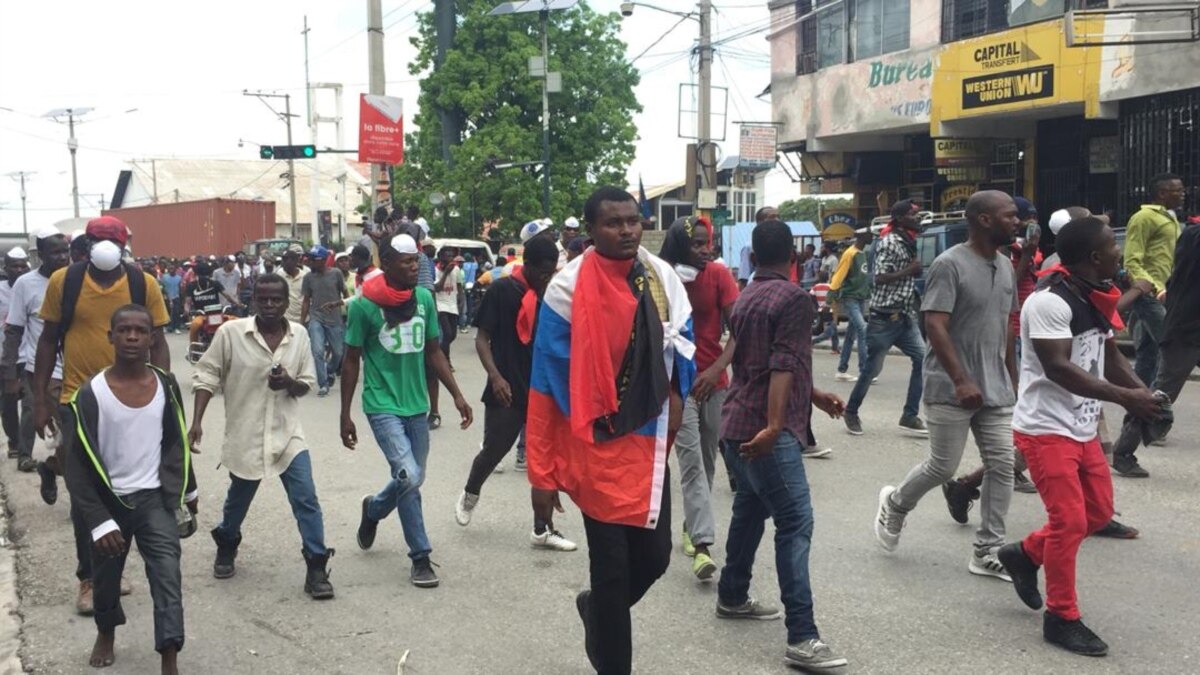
962 19
1159 135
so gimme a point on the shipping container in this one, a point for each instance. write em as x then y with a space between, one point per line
210 226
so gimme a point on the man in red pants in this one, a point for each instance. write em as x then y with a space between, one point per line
1072 367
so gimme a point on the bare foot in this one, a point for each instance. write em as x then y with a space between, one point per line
168 662
102 651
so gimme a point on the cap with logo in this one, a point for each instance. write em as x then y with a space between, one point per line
532 229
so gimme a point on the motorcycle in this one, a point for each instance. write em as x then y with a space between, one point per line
213 317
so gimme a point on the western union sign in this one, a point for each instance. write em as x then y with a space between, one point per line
1008 87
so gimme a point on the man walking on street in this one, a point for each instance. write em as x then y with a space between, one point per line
765 418
711 292
1071 364
504 343
16 264
263 365
970 370
21 334
129 474
293 274
893 320
851 288
229 276
1150 237
611 362
77 312
324 293
393 330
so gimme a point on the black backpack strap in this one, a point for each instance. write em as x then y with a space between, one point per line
72 287
137 285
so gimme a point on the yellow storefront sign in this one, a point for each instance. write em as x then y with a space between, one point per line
1018 69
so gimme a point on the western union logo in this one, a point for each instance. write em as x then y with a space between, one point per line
1008 87
1004 54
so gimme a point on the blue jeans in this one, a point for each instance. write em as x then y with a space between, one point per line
302 495
322 336
773 486
405 444
1148 332
883 333
856 331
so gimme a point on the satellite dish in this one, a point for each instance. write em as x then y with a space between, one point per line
437 198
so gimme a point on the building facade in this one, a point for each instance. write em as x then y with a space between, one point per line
935 99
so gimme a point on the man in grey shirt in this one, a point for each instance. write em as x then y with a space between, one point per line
970 378
230 277
324 293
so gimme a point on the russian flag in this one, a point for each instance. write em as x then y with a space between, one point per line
619 481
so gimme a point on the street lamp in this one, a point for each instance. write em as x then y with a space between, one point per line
543 8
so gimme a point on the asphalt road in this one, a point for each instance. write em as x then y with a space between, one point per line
504 608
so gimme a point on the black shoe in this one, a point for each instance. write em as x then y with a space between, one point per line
13 453
853 424
589 641
1129 468
914 425
1072 636
316 581
1022 484
1117 530
223 567
366 526
49 487
27 465
1023 573
959 499
422 575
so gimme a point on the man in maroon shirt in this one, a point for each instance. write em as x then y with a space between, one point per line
772 362
712 292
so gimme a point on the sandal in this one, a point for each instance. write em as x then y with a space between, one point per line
435 421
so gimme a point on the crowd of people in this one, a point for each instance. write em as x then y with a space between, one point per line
601 358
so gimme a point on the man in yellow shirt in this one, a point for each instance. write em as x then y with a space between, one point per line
99 286
1150 238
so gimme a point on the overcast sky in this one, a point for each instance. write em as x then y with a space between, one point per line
184 72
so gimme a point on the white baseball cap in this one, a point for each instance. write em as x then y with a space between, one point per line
571 223
17 253
1058 219
404 243
532 229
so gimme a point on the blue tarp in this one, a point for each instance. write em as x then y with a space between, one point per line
737 236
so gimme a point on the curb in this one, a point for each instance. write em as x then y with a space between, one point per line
10 604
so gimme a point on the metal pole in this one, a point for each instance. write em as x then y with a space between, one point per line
154 179
73 145
24 220
311 104
545 16
376 81
708 178
287 114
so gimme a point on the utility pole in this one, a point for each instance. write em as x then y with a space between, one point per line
545 17
20 176
376 85
72 145
313 184
445 24
707 158
287 118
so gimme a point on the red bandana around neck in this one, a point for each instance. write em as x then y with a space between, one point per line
1104 300
376 290
528 312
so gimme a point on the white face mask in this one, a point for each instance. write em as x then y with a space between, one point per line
687 273
105 255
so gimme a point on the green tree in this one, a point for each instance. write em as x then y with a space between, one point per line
484 82
809 208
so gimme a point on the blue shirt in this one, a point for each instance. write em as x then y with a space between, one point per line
470 270
171 284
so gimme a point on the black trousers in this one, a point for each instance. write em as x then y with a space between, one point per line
152 524
1175 363
625 562
83 534
501 428
10 415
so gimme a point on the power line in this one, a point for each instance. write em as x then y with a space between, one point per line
659 39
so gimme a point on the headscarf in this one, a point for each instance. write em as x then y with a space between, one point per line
677 245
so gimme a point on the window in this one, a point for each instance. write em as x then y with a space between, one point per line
831 32
745 203
967 18
879 27
841 31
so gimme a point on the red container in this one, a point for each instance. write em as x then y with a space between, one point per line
210 226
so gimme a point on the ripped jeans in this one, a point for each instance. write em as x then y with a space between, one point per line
405 444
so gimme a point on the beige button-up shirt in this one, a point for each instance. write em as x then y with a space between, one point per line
262 427
295 297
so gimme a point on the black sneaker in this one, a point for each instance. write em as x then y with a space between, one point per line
853 424
49 487
959 499
366 526
914 424
1072 636
589 641
27 465
1022 484
1023 572
223 565
422 575
1117 530
1129 468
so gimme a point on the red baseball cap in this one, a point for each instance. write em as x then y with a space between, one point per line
107 228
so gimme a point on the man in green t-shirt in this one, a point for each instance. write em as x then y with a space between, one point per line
393 329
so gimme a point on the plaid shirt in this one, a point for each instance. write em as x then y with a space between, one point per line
772 322
892 255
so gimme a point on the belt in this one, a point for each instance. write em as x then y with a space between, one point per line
889 315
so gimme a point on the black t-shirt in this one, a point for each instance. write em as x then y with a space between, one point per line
1182 323
497 315
209 297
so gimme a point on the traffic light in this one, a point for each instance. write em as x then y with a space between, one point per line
287 151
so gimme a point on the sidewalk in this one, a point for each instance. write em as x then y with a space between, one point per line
10 617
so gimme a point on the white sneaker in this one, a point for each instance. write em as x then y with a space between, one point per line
499 469
551 541
845 377
888 521
463 508
988 565
815 452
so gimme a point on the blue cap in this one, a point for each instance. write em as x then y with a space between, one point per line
1025 208
318 251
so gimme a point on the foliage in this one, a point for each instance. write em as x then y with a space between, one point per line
485 84
808 208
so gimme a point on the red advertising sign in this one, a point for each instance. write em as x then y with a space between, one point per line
380 129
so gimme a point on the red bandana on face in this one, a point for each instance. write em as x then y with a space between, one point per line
1103 299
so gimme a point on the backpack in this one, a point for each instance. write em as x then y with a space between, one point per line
73 285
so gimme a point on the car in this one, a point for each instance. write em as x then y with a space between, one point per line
275 247
478 249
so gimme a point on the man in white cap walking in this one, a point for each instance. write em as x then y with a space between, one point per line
16 263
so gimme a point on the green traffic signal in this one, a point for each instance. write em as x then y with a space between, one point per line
309 151
266 152
287 152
